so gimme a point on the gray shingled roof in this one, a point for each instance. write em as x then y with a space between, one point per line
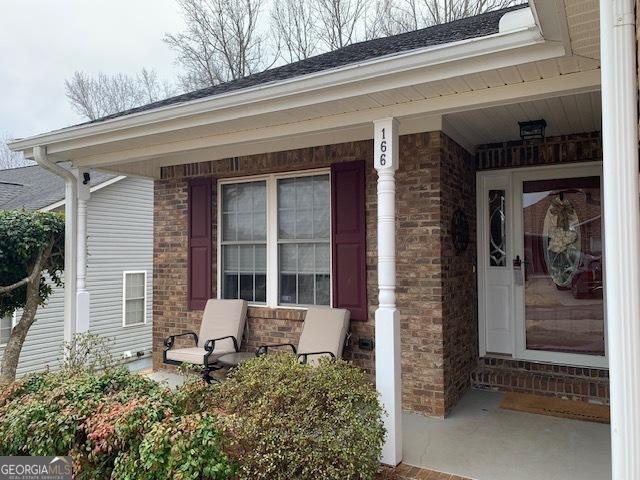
34 187
471 27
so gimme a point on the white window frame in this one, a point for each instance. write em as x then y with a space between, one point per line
14 321
272 233
124 298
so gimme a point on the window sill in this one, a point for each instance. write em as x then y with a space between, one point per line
134 325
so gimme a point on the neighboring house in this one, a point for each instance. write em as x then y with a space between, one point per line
394 178
119 270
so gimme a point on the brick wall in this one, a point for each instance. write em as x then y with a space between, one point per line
435 291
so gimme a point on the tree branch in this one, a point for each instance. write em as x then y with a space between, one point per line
35 271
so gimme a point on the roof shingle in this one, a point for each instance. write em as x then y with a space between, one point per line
466 28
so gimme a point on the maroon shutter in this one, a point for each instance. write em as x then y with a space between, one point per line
348 226
199 261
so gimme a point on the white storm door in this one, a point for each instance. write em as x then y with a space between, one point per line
495 259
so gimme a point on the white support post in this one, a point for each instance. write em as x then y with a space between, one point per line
82 294
621 231
387 323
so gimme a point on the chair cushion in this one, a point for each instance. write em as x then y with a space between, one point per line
220 319
193 355
325 330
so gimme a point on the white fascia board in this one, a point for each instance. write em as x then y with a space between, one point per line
358 73
95 188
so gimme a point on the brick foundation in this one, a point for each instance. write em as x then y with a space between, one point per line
436 290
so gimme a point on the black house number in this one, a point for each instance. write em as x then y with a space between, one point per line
383 149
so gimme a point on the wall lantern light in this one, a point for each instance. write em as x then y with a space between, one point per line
532 129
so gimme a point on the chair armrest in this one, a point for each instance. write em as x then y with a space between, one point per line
263 349
210 344
305 356
168 342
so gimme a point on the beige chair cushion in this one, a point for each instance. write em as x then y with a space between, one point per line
220 319
193 355
325 330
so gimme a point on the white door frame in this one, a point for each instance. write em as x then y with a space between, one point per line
485 181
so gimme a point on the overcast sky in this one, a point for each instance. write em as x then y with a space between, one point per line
42 42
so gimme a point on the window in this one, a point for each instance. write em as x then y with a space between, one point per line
6 325
303 240
275 240
244 241
134 309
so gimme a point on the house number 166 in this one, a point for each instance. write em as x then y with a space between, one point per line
383 149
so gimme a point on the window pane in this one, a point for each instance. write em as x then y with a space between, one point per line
288 288
244 226
304 222
244 207
322 257
134 311
246 287
246 258
288 258
6 324
497 232
286 224
306 258
322 289
261 288
230 286
305 290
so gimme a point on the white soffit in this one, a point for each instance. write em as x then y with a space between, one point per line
580 113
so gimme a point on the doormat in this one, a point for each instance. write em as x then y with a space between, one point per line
555 407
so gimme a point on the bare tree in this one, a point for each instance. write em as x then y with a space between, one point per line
397 16
220 43
96 97
293 23
8 158
339 21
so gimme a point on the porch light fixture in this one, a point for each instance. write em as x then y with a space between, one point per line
532 129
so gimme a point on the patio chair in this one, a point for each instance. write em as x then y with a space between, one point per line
220 333
324 334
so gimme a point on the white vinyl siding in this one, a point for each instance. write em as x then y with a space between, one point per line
120 238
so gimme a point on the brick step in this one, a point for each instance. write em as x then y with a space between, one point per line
591 389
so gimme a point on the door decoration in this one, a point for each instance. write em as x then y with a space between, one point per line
561 237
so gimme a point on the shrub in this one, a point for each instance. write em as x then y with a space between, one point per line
180 448
285 420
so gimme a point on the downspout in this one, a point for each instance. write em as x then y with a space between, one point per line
621 230
70 214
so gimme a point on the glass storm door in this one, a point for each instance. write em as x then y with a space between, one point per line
540 260
558 269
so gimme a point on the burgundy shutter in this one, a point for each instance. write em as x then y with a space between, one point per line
199 261
348 227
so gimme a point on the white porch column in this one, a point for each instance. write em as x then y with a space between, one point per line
387 323
621 231
82 295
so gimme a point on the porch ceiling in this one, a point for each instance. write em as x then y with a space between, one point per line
564 115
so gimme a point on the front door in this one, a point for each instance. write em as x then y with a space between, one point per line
541 265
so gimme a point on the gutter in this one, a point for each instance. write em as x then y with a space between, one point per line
70 215
517 29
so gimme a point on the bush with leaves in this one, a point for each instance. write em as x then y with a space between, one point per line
285 420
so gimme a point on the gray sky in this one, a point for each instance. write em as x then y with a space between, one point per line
42 42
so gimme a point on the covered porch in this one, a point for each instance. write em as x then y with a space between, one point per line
419 123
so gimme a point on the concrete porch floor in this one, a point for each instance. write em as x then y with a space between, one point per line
483 442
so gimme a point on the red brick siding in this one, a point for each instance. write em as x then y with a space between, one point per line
425 282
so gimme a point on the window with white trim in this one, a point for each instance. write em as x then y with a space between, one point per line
6 325
134 298
244 241
275 239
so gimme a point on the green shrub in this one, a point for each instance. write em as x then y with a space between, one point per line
285 420
180 448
